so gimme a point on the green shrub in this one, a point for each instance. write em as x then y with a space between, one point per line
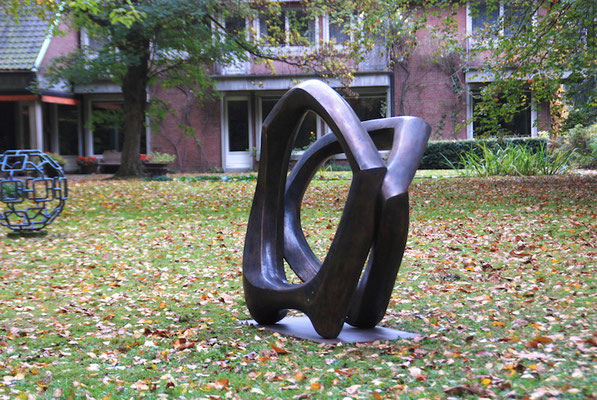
162 158
337 166
514 160
10 191
58 158
446 154
582 141
158 178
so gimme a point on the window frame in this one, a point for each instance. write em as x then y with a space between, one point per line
364 93
470 132
276 95
327 33
286 47
88 133
471 41
237 66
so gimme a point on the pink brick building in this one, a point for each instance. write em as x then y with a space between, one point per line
227 127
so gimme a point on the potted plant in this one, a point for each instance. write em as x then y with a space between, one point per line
58 158
87 164
157 163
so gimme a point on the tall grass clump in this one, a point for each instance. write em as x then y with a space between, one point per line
517 160
582 143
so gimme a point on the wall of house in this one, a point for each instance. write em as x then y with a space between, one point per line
199 152
429 84
61 45
424 90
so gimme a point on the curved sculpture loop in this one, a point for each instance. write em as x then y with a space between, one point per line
33 189
375 216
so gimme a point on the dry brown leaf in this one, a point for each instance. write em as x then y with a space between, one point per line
377 396
299 376
183 344
278 349
467 389
539 339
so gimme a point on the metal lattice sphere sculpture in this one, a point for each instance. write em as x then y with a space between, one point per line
33 189
374 222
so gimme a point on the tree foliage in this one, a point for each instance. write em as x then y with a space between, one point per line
536 47
46 9
175 43
168 42
530 47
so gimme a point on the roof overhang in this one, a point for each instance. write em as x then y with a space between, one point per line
480 75
98 87
230 83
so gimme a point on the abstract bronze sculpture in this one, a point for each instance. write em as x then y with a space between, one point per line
32 187
375 216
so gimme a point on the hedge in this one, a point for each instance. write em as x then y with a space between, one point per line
438 151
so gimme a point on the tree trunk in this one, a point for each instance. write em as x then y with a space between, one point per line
134 85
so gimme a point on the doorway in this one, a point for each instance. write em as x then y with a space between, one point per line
237 138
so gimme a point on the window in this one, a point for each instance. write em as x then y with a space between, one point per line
514 18
293 26
337 32
8 128
107 119
92 42
496 18
234 63
68 130
338 29
238 125
235 25
369 106
484 17
307 132
519 124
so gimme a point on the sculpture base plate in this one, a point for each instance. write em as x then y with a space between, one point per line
301 327
27 233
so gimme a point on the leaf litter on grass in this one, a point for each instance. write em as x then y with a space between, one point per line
136 290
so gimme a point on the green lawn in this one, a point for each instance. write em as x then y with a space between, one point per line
136 291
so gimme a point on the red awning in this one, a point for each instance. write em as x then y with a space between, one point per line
46 99
60 100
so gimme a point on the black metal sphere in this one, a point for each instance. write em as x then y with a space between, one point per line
33 189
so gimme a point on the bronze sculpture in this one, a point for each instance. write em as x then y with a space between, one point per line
375 215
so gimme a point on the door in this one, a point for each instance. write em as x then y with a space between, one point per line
237 134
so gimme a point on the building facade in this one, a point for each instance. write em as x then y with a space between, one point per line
442 89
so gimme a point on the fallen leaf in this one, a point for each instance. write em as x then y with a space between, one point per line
183 344
534 343
299 376
278 349
467 389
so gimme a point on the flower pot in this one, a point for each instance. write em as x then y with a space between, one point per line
88 169
155 169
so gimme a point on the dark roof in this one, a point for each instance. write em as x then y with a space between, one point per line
21 43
